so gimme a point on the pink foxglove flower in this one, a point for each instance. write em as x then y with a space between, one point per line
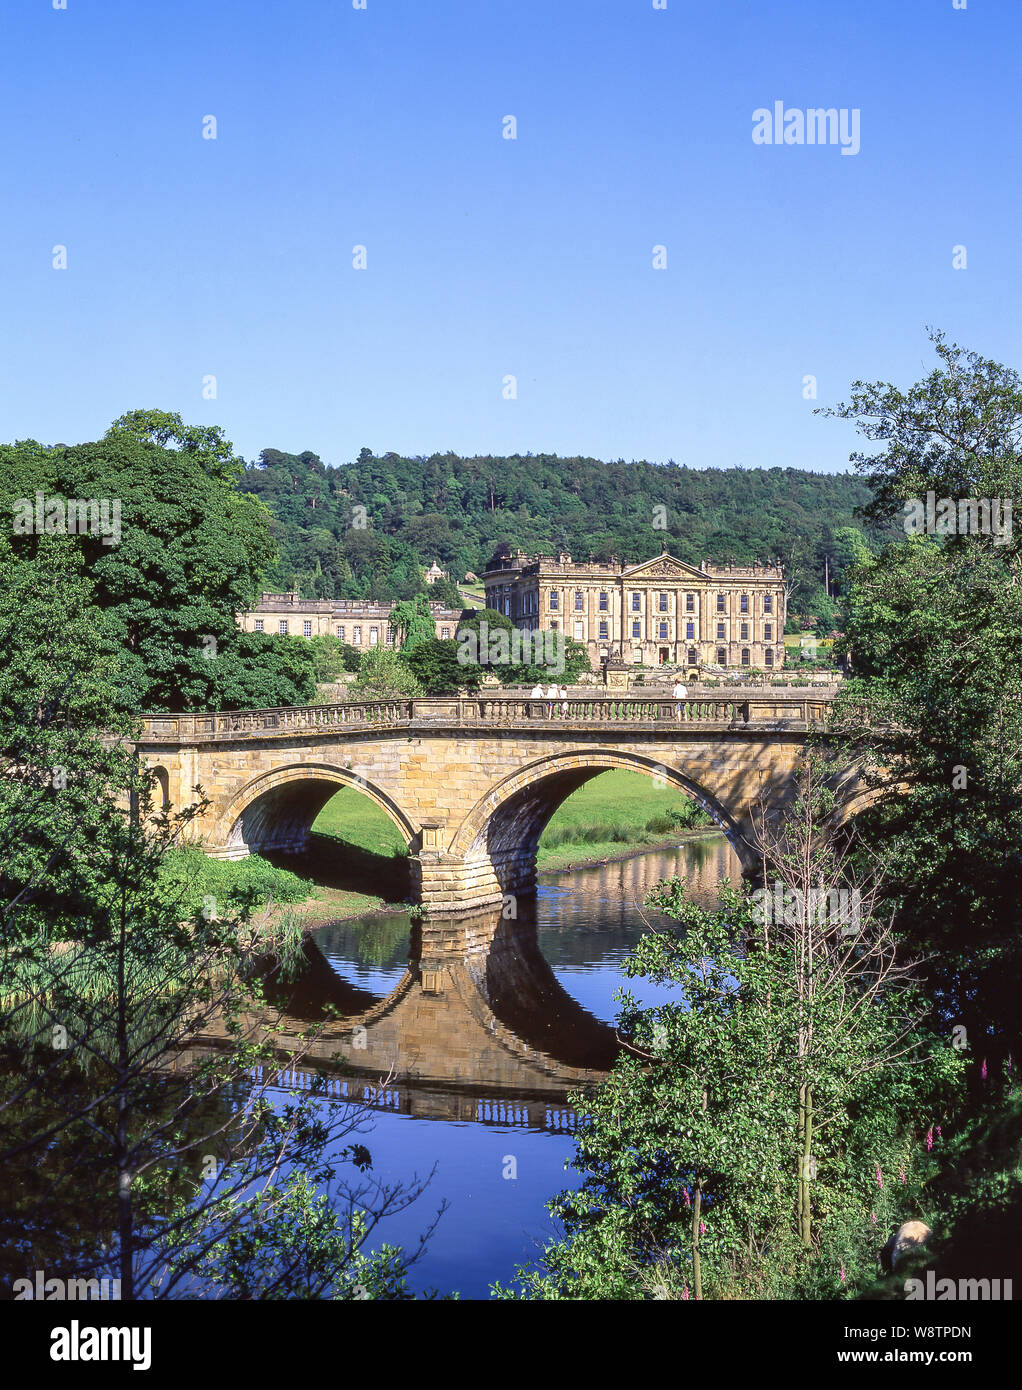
901 1174
842 1271
880 1177
684 1293
983 1069
874 1216
684 1193
929 1139
702 1228
937 1131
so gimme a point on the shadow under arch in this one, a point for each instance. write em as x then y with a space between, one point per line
866 799
276 810
505 825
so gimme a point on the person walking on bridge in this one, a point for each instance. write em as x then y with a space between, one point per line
680 695
551 696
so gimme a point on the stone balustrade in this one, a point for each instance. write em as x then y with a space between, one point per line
763 709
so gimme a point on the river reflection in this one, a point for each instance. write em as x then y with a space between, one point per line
484 1026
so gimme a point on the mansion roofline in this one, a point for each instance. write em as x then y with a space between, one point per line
526 565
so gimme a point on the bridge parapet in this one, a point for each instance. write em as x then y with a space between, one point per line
767 710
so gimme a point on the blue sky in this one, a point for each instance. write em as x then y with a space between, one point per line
489 257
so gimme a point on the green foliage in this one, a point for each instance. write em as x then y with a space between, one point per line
331 657
494 640
446 591
459 510
436 667
413 623
190 554
936 705
382 674
188 878
693 1148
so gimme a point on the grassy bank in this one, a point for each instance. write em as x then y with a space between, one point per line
194 881
616 813
355 848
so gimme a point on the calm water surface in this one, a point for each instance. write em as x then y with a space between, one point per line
485 1026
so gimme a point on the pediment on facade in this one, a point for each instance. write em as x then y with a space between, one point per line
663 567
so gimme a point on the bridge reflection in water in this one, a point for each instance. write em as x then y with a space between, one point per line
482 1019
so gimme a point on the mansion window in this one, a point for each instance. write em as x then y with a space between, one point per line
258 624
744 634
720 603
357 635
390 636
604 634
720 632
768 603
662 604
554 600
690 603
690 630
691 656
636 601
745 656
340 631
745 603
721 656
580 630
768 657
282 627
768 632
578 601
307 629
663 632
374 636
603 603
636 629
554 625
445 632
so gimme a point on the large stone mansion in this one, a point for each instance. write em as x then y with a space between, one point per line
359 622
654 613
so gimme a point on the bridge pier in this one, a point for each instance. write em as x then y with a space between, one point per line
448 883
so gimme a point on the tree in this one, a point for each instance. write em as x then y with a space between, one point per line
127 1147
382 674
183 554
331 656
412 623
436 666
741 1146
935 705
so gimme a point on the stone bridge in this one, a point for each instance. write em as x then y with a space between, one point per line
472 781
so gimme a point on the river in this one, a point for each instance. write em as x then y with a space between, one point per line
484 1026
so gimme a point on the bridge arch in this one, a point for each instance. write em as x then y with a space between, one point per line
276 810
504 827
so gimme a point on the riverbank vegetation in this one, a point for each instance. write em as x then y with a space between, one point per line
144 1136
820 1080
